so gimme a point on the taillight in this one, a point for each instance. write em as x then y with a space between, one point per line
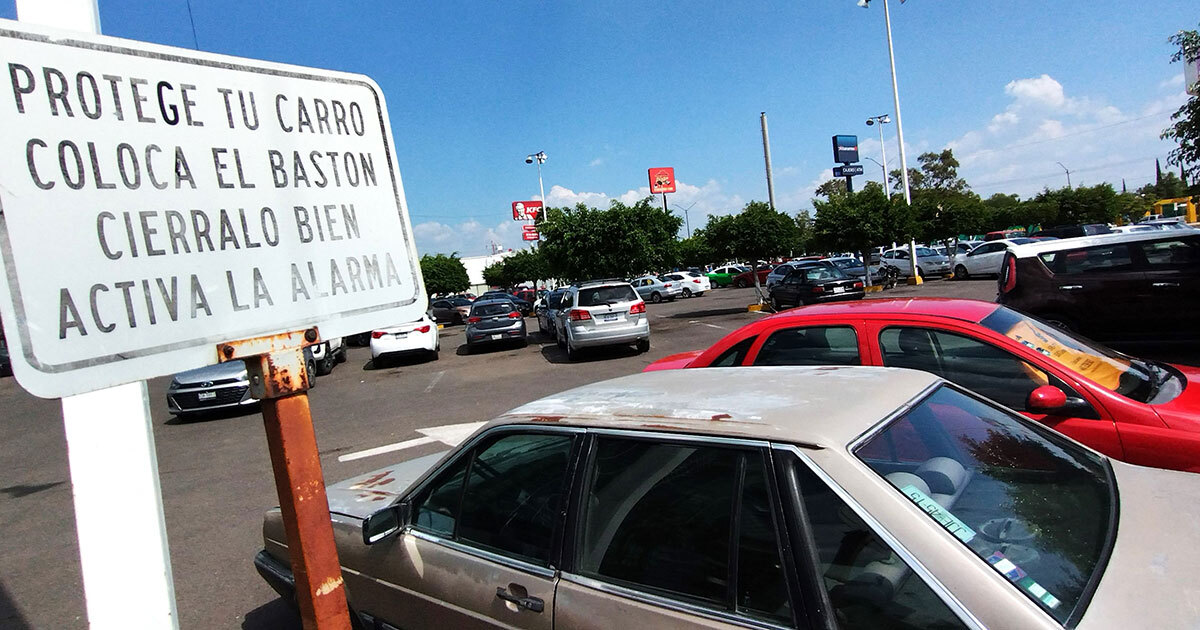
696 280
474 320
577 315
514 315
422 329
377 334
818 289
667 285
640 307
858 285
1008 280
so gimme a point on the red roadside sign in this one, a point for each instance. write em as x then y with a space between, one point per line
526 210
530 235
529 228
662 180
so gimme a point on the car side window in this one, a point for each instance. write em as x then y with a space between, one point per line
662 518
441 304
504 497
972 363
869 585
735 354
817 345
1102 259
1175 253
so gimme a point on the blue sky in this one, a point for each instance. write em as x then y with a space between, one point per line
608 89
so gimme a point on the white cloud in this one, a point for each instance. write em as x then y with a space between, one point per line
1173 83
468 238
596 162
1041 90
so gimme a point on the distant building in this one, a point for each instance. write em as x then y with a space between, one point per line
475 266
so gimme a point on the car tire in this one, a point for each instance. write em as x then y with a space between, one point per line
920 273
741 284
561 340
687 293
960 273
327 362
643 345
572 353
655 297
311 366
775 304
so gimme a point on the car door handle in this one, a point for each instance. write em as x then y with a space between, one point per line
1165 285
1070 287
534 604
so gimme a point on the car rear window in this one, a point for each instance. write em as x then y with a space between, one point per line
1109 258
1039 509
487 310
602 296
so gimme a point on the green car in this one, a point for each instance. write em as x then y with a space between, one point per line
723 276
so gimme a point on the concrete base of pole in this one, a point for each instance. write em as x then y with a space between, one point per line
754 308
913 280
874 288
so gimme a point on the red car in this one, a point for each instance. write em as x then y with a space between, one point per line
746 279
1143 412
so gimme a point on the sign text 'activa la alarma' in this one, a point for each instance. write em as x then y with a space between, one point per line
158 201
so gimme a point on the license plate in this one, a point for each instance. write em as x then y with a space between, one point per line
610 317
839 289
496 337
401 335
206 395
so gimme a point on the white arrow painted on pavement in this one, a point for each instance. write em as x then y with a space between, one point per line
450 434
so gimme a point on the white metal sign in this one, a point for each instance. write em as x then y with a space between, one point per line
156 201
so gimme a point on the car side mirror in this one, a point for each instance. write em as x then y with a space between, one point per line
1049 399
385 522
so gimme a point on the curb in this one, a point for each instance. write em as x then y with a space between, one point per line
754 308
874 288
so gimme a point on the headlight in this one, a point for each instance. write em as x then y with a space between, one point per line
175 384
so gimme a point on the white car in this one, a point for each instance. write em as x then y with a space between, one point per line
328 354
986 259
655 289
419 337
929 263
694 284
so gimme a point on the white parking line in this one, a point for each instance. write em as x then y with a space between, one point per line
715 326
436 377
451 434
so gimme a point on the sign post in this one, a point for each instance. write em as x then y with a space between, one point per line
159 203
662 180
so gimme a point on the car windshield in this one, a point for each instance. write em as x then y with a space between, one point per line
821 273
601 296
460 302
846 263
1036 507
1126 376
489 310
925 251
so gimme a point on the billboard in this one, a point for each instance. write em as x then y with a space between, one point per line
845 149
526 210
662 180
1191 76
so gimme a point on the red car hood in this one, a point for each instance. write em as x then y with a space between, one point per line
674 361
1182 413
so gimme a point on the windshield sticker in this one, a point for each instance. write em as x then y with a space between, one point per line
1104 370
1022 579
939 514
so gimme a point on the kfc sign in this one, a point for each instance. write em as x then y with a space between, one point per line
526 210
662 180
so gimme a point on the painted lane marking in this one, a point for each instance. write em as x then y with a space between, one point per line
451 435
436 377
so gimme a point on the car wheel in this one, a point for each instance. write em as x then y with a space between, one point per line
572 353
327 361
741 284
655 297
643 345
562 341
960 273
920 273
311 367
775 304
687 293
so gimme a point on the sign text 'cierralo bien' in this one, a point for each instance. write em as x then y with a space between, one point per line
157 201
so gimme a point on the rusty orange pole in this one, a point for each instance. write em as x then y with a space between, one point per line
279 378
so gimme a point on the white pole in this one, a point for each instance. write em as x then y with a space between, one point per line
887 188
125 561
912 248
767 158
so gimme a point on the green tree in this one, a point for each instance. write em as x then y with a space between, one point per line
1185 122
943 204
1083 204
805 234
859 221
1001 212
695 251
526 265
758 231
496 275
444 274
583 242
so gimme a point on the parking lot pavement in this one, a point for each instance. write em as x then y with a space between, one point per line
216 474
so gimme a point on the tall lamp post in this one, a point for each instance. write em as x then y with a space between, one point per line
913 277
686 219
882 119
540 158
1068 172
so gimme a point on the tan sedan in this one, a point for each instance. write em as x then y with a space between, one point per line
848 497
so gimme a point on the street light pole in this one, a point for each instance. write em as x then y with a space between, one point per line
881 120
540 158
1068 172
887 20
686 218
